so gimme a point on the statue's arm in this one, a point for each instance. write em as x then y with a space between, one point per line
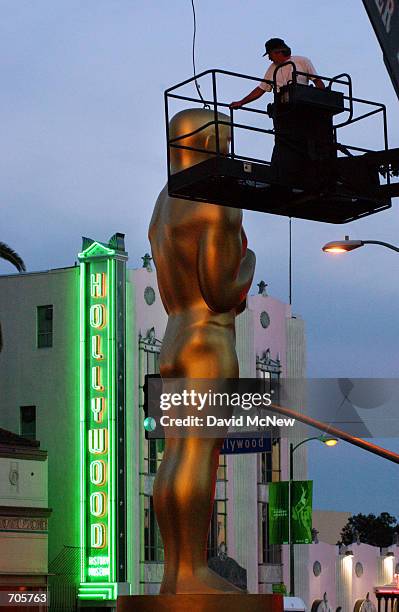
225 265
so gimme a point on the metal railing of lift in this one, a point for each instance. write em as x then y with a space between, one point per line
378 108
337 79
215 71
217 105
340 79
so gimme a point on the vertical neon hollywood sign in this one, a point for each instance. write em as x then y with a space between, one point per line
102 418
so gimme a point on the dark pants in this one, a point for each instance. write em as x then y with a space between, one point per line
303 143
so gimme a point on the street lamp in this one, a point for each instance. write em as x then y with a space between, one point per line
344 246
328 441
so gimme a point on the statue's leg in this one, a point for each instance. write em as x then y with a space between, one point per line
184 487
183 499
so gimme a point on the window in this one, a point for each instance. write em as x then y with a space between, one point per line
266 467
27 422
44 326
222 468
268 370
151 453
270 554
153 548
149 351
217 538
270 469
154 455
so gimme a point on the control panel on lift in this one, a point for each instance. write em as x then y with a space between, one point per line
312 173
325 100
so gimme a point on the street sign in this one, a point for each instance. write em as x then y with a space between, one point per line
240 446
384 17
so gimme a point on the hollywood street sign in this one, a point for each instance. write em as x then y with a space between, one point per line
239 446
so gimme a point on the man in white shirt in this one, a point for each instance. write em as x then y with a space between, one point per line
280 53
302 133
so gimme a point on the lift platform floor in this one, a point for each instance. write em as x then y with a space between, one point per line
245 184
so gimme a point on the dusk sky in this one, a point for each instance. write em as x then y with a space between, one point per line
83 153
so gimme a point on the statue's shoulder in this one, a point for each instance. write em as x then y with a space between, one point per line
221 214
181 213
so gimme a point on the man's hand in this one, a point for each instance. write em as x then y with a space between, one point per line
253 95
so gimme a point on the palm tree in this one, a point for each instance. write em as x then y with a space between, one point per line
10 255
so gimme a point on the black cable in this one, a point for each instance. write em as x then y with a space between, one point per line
194 69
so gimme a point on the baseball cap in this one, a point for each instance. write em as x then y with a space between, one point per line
274 44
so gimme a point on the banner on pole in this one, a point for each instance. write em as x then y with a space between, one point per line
278 513
301 511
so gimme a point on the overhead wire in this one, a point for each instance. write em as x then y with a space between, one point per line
207 106
193 56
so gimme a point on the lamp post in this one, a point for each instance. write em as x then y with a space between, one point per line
344 246
328 441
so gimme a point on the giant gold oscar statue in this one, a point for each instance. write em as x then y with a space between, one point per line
204 272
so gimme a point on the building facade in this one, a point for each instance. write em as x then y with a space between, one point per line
348 575
24 512
45 317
